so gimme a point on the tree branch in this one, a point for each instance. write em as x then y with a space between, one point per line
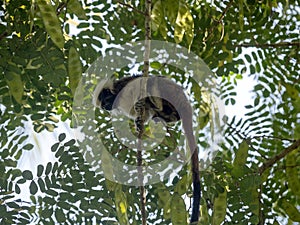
275 45
147 37
278 157
131 7
140 109
142 187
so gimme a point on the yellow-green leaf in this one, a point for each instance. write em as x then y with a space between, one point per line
121 205
290 210
241 14
254 204
220 205
291 91
241 154
15 84
204 217
178 210
77 9
171 10
164 200
74 69
52 23
182 185
184 24
292 173
157 15
240 159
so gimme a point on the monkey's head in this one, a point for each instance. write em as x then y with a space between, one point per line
107 91
104 95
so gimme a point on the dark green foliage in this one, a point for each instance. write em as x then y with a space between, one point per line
234 38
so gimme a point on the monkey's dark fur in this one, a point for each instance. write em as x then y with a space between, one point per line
171 106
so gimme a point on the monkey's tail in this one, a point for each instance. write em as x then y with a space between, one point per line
196 187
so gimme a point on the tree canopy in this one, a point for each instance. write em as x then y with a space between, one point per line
47 45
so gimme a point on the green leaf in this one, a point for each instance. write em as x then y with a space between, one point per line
48 182
17 189
241 14
48 168
40 170
240 159
77 9
74 68
28 146
41 184
70 143
54 147
248 58
184 24
182 185
178 210
291 91
156 65
52 23
37 116
121 205
171 10
33 188
47 213
157 15
15 84
51 192
27 174
292 173
21 181
290 209
62 137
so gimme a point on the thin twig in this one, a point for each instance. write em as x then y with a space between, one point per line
273 137
278 157
131 7
274 45
61 7
219 20
225 11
